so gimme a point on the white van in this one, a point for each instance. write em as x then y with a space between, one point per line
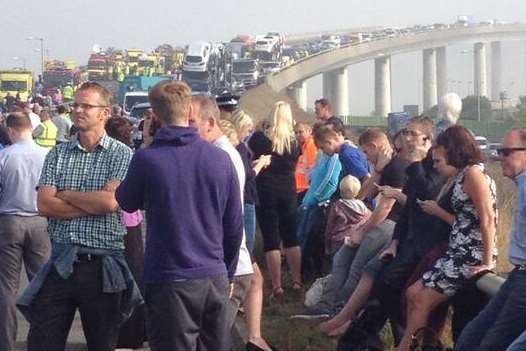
133 98
197 56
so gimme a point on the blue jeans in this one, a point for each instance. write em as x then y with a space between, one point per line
250 225
348 263
519 344
502 321
309 217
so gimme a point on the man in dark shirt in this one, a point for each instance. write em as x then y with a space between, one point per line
323 111
191 194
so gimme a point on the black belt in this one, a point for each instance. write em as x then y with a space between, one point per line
88 258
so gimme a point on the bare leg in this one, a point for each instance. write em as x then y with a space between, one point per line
354 305
420 302
273 258
293 255
253 307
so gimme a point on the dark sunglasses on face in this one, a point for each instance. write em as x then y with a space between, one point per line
506 151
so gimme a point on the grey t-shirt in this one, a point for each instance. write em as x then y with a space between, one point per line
63 124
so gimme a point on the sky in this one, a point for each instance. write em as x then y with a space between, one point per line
70 28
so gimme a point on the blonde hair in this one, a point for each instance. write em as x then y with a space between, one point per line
241 119
229 130
349 187
281 131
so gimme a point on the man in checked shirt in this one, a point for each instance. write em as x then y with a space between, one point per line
87 270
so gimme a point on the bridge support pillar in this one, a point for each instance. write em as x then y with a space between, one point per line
496 70
441 60
429 79
480 74
336 89
298 92
382 86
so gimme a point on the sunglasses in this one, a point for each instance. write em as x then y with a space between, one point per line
509 150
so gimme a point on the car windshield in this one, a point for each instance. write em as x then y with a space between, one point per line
132 100
138 112
244 67
13 85
193 59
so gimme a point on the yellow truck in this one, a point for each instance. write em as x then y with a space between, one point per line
16 82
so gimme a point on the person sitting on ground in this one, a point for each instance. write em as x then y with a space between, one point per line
367 241
471 244
423 183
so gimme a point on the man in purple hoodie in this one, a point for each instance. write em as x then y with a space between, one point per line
190 191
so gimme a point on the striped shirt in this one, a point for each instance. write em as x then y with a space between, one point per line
69 166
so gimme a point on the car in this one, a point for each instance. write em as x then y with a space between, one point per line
138 110
492 150
482 142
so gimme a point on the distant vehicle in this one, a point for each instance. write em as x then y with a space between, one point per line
492 150
366 37
331 41
138 110
137 83
245 74
133 98
482 142
268 48
487 23
463 21
16 82
391 32
197 56
270 67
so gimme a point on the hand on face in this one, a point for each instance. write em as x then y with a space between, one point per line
385 154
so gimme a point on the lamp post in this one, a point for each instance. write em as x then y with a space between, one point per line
41 51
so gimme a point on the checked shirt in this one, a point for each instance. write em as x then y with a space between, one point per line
69 166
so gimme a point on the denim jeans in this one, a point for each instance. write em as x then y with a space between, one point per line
348 263
250 226
54 308
502 321
519 344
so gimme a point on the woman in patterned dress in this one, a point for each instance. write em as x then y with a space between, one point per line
471 246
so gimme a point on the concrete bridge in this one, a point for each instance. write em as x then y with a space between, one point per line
433 44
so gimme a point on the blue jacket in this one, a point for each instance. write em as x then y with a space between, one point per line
190 191
324 180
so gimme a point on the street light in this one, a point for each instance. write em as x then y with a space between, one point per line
41 51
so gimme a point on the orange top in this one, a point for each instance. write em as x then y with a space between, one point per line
305 164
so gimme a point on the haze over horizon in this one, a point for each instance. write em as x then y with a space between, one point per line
71 28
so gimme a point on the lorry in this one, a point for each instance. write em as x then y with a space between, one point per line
136 83
16 82
245 74
98 67
241 46
57 75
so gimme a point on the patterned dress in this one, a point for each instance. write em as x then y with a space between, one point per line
466 249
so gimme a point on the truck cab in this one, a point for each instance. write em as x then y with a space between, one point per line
245 74
16 82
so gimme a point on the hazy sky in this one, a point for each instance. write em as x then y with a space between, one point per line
70 29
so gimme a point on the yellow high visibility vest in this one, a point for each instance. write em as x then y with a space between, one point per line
48 138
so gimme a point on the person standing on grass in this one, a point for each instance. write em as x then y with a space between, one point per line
191 194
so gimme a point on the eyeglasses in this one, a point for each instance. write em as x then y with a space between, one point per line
84 106
409 132
507 151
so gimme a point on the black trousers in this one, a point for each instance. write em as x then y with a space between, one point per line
133 332
188 315
54 308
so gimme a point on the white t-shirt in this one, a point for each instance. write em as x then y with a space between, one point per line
35 120
244 264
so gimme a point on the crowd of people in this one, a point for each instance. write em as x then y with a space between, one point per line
155 242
